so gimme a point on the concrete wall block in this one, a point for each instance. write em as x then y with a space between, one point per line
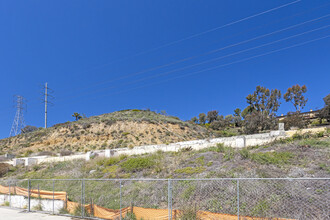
88 155
18 162
30 161
240 142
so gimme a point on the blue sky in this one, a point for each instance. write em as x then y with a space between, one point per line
94 55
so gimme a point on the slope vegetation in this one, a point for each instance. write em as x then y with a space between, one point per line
125 128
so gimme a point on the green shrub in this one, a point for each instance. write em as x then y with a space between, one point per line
137 164
320 134
189 213
277 158
244 153
112 169
210 163
111 161
200 160
315 142
190 170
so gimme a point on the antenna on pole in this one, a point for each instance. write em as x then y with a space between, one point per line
46 99
19 122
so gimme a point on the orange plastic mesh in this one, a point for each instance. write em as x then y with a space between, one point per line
114 214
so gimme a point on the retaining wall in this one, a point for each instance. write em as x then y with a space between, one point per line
235 142
22 203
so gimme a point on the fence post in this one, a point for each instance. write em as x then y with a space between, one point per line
238 199
29 199
82 198
53 197
9 194
120 198
169 195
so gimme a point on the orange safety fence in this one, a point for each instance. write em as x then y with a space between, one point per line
72 207
146 213
112 214
5 190
33 192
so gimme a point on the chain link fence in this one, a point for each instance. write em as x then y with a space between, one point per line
181 199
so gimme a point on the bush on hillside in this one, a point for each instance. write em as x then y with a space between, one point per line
293 119
137 164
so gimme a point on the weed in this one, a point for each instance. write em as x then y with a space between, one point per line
244 153
129 216
210 163
325 167
189 213
6 203
37 207
200 160
186 149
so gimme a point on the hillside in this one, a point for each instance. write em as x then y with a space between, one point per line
300 156
125 128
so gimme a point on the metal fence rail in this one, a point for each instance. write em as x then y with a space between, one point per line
226 198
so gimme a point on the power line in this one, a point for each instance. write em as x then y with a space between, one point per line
228 55
225 56
201 33
222 26
219 66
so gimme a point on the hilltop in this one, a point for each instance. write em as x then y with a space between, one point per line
126 128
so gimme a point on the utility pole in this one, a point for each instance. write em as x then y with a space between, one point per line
19 122
46 105
47 97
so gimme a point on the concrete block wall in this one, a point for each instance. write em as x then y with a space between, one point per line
21 202
235 142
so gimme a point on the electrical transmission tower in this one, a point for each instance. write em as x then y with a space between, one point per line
47 97
19 122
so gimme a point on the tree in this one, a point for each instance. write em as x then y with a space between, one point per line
260 114
229 120
325 112
237 112
258 121
202 118
219 123
163 112
237 118
212 116
295 95
263 100
77 116
29 128
194 120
